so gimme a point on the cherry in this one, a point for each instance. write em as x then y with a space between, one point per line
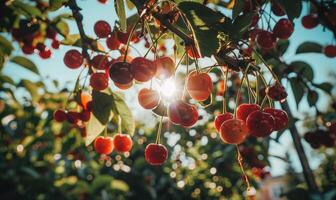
28 49
265 40
165 67
99 81
254 20
283 29
85 98
277 9
103 145
156 154
85 115
120 72
280 117
330 51
260 124
124 86
182 114
233 131
123 37
102 1
143 69
310 21
276 92
51 33
102 28
193 52
73 117
100 62
46 53
243 110
199 86
148 98
40 46
122 143
55 44
73 59
112 42
220 119
60 115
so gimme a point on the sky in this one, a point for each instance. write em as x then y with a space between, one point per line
94 11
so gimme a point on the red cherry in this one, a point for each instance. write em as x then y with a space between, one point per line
85 115
277 9
102 28
233 131
199 86
103 145
40 46
193 52
260 124
310 21
102 1
276 92
165 67
28 49
51 33
330 51
265 40
60 115
55 44
143 69
254 20
280 117
122 143
112 42
123 86
220 119
156 154
122 37
100 62
99 81
73 59
283 29
73 117
182 114
148 98
46 53
120 72
245 109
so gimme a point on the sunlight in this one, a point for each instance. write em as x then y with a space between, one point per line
168 88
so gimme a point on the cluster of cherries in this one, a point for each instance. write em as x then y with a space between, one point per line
322 137
252 119
31 39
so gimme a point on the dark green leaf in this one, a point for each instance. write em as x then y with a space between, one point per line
28 9
62 28
6 46
282 46
6 79
309 47
298 90
121 108
120 10
303 68
238 8
327 87
293 8
312 97
26 63
240 25
56 4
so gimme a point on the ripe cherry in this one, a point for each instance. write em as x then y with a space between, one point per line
73 59
143 69
280 117
123 86
199 86
243 110
100 62
193 52
85 115
310 21
156 154
276 92
283 29
73 117
182 114
123 37
148 98
330 51
277 9
46 53
99 81
220 119
260 124
122 143
165 67
102 1
55 44
51 33
85 98
102 28
103 145
233 131
120 73
60 115
112 42
28 49
265 40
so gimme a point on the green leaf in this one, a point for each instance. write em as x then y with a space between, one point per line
303 68
6 79
312 97
93 129
71 39
309 47
6 46
121 108
327 87
56 4
62 16
31 87
240 25
298 90
282 46
62 28
119 185
100 182
26 63
293 8
28 9
238 8
120 10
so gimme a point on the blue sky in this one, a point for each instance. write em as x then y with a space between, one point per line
93 11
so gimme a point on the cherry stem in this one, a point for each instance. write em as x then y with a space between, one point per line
180 61
225 76
185 80
238 92
250 91
158 134
257 88
75 88
129 38
266 85
240 162
119 124
154 43
267 66
105 131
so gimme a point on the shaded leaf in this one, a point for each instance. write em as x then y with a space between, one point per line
240 25
6 46
28 9
120 10
26 63
56 4
237 8
293 8
327 87
282 46
6 79
100 182
298 90
312 97
121 108
309 47
303 68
